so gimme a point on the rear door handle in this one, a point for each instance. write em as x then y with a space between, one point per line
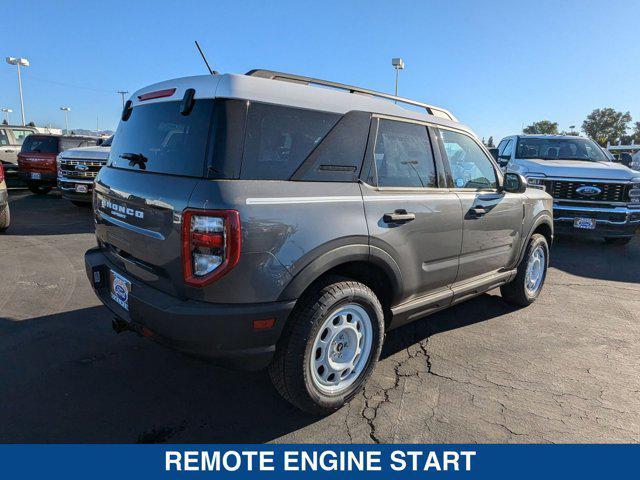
478 211
399 216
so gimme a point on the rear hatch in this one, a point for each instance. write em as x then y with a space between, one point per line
38 154
157 158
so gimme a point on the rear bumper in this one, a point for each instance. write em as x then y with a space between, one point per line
610 221
68 189
219 332
46 178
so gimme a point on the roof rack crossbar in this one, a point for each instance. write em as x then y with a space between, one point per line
273 75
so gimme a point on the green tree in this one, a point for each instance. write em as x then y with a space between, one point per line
606 125
636 132
543 127
490 143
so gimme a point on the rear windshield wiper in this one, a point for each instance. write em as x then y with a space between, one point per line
135 159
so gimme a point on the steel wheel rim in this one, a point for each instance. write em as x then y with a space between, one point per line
341 349
535 270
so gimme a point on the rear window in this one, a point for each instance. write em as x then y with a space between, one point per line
158 138
37 144
278 139
67 143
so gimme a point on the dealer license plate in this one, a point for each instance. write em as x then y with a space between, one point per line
119 288
82 189
585 223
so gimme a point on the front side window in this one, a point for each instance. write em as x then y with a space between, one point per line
278 139
508 149
559 148
470 167
403 155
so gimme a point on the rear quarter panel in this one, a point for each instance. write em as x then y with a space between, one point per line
285 226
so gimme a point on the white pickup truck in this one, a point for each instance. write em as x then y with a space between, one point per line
591 195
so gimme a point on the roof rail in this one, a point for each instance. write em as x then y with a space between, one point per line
437 111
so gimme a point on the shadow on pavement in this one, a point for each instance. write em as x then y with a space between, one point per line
592 258
70 378
46 215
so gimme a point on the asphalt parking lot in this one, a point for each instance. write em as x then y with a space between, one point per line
563 370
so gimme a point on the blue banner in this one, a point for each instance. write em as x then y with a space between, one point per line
318 461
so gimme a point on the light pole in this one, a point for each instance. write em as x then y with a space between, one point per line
122 93
398 64
66 111
18 62
6 112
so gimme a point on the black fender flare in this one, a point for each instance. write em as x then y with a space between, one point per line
339 256
542 218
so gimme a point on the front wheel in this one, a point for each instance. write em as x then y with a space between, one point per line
525 288
5 218
617 240
331 346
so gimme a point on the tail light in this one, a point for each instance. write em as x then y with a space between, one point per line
211 243
1 173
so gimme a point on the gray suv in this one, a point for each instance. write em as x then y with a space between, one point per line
274 220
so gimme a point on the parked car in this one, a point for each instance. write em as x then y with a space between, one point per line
37 158
263 220
5 216
11 138
77 169
592 195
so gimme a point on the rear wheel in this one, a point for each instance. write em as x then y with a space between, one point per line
532 272
331 347
39 189
617 240
5 218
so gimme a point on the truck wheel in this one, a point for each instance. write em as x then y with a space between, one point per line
532 271
39 189
617 240
330 347
5 218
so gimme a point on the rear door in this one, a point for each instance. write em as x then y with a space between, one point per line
410 212
493 219
157 157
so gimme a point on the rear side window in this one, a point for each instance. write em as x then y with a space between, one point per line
278 139
38 144
158 138
403 155
20 135
4 138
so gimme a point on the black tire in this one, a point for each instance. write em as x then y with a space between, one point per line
81 204
617 240
515 291
290 369
39 189
5 218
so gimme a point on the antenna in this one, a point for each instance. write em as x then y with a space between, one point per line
212 72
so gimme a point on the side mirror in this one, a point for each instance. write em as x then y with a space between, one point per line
494 153
514 183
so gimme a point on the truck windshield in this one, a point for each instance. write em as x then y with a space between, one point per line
560 149
158 138
40 144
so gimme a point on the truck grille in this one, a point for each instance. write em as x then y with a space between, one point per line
568 190
84 169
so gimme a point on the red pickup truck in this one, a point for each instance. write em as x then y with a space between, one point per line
37 158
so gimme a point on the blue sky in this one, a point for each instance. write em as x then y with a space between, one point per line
496 65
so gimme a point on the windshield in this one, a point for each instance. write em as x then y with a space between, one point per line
158 138
107 142
40 144
560 148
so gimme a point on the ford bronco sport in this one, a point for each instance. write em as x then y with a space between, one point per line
592 196
274 220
